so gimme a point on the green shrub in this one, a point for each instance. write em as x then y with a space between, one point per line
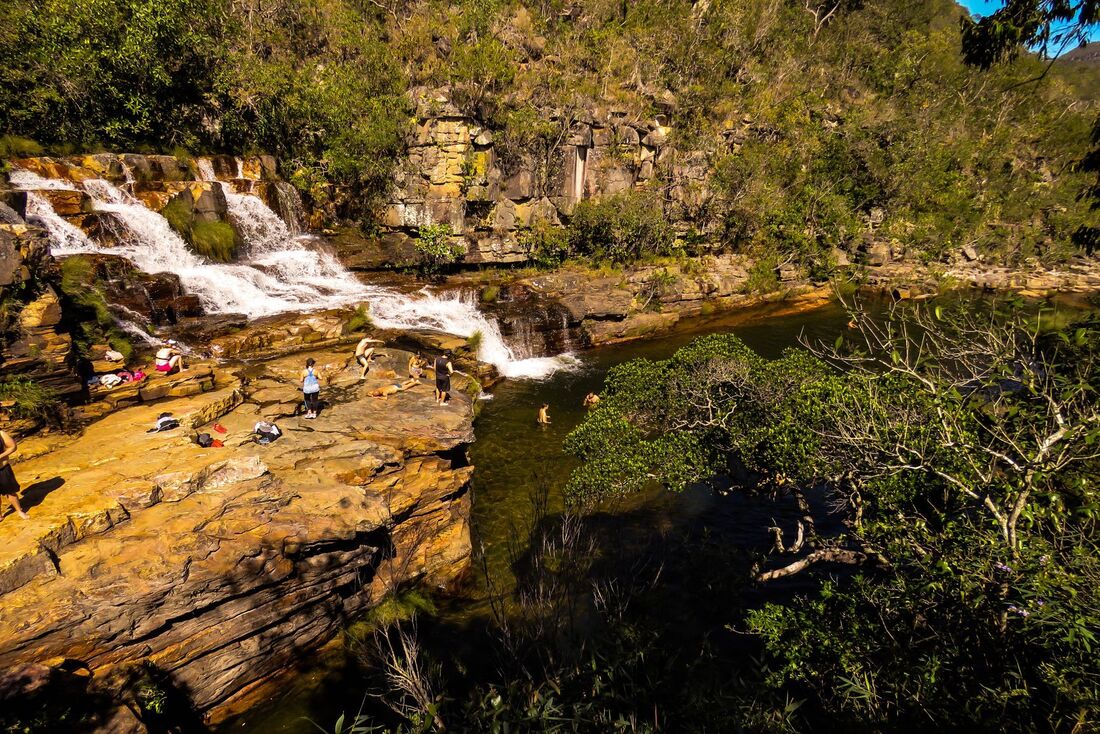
215 241
762 276
490 294
622 228
32 399
436 247
546 244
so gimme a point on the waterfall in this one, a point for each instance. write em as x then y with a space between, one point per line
457 313
290 206
279 273
65 238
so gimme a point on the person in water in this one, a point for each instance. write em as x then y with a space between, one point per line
169 358
416 366
9 487
444 368
364 355
387 390
591 400
544 415
311 388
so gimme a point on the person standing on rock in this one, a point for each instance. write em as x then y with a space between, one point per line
364 354
443 371
9 487
311 388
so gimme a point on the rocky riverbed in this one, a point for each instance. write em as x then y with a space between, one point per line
149 561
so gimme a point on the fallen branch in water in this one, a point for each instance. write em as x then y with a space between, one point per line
825 555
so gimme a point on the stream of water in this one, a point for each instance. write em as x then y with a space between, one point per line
279 271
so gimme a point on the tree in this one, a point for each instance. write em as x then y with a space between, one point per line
959 449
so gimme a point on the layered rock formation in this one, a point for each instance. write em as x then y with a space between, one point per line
211 570
456 175
33 345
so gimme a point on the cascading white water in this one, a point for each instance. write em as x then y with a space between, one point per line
456 313
65 239
281 272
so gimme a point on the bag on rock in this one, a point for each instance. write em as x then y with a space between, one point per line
204 440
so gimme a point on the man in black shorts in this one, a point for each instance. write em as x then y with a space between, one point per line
9 487
443 371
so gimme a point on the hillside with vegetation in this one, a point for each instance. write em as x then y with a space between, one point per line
821 125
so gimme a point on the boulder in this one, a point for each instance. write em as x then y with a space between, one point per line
44 311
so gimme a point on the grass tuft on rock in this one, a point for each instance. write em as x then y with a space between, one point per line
359 321
31 399
85 310
179 216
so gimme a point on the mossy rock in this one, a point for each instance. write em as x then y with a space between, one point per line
180 213
215 241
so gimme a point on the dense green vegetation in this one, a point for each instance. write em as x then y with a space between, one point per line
815 133
960 452
310 82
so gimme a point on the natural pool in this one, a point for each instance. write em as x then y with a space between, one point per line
520 473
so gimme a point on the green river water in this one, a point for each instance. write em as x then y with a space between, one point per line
520 465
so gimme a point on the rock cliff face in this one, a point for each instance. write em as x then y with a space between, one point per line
457 174
33 345
211 570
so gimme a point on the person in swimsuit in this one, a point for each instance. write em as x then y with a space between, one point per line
387 390
364 355
169 358
311 388
591 400
9 487
443 371
544 415
416 366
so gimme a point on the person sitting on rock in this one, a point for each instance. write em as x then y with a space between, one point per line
169 358
364 355
9 487
387 390
591 400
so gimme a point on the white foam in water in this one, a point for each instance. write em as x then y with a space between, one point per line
65 239
280 272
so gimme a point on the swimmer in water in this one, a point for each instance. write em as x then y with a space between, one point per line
544 415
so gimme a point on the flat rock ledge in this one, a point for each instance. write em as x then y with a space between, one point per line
215 569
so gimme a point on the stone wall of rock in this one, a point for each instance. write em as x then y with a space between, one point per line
213 570
454 175
33 345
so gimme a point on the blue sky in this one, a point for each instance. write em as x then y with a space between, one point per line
988 7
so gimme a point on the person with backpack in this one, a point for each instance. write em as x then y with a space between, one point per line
311 388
